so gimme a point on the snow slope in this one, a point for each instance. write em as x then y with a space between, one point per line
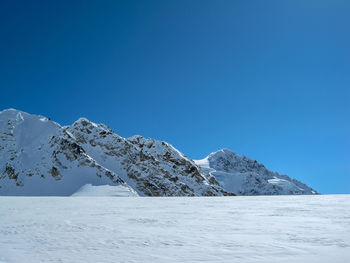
244 176
264 229
104 190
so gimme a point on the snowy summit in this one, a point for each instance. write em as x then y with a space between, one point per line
244 176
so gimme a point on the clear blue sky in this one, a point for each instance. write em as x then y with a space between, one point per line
267 79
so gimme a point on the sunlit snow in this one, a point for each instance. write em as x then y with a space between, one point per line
201 229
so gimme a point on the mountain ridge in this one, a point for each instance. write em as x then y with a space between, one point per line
40 157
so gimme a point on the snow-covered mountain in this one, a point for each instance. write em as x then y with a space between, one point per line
151 167
40 157
244 176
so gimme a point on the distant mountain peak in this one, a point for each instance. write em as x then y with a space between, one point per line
244 176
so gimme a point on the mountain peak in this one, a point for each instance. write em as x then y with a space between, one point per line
84 122
12 114
9 110
223 152
244 176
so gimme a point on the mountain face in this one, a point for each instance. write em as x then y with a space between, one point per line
151 167
244 176
40 157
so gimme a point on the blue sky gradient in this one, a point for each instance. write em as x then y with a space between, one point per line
267 79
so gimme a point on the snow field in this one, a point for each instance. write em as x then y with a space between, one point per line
203 229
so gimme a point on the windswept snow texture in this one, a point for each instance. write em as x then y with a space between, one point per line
311 229
244 176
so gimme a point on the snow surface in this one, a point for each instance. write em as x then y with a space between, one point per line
104 190
314 228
